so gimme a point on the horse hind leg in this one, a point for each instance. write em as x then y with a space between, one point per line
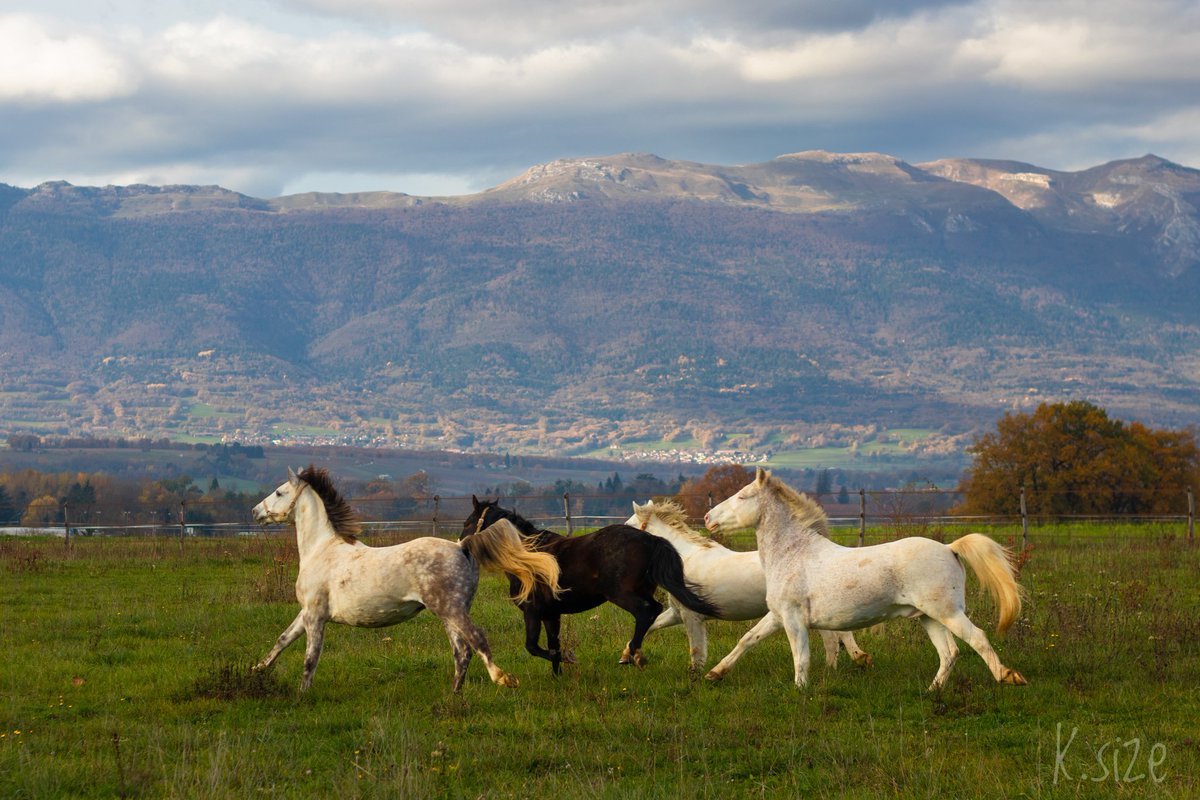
473 639
829 639
697 636
645 611
462 656
966 630
947 650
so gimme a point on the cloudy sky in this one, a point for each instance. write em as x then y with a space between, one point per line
272 97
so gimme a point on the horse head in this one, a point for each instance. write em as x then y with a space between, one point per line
279 505
743 510
483 514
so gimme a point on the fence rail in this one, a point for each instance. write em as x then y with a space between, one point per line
442 516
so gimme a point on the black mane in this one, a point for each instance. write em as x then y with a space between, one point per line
345 521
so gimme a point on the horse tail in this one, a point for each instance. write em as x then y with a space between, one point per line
992 564
499 547
666 570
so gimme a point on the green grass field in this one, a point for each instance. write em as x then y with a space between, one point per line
124 676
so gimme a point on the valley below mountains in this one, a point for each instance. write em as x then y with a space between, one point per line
592 304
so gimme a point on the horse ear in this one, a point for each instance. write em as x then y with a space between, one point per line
292 479
636 507
475 502
761 476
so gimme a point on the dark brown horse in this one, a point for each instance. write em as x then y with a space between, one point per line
618 563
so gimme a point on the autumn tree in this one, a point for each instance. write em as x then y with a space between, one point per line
1072 458
41 511
720 482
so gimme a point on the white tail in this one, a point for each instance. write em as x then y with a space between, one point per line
992 564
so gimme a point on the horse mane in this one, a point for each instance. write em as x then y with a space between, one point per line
803 509
527 528
342 517
673 515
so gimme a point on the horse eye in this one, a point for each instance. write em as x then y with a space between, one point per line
278 493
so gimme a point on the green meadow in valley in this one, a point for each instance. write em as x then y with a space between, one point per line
125 674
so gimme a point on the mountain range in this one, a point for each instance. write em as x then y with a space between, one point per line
590 302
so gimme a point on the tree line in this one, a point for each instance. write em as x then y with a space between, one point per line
1069 458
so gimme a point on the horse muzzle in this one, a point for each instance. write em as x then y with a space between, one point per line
264 517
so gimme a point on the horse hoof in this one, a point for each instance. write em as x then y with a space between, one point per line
713 675
568 657
639 659
1014 678
864 660
507 680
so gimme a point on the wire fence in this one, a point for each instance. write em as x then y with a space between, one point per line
860 517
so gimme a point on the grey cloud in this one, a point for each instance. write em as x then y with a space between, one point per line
235 101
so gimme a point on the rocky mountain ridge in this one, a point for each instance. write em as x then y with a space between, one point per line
595 300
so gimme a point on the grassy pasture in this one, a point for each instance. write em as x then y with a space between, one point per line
124 676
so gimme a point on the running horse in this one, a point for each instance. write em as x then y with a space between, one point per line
815 582
618 564
733 579
343 580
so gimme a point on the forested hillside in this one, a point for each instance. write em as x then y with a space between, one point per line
561 312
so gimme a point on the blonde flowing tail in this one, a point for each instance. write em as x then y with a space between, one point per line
992 564
500 547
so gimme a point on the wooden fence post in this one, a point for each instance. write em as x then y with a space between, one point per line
66 526
1191 516
1024 521
862 517
567 513
182 524
437 502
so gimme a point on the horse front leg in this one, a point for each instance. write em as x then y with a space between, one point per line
795 625
859 656
314 629
289 635
667 618
764 628
533 635
553 626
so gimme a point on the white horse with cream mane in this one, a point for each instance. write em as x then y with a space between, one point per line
814 582
733 580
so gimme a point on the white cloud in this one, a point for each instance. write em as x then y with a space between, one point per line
1075 48
40 65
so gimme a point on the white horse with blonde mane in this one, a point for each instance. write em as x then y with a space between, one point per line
814 582
343 580
732 579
